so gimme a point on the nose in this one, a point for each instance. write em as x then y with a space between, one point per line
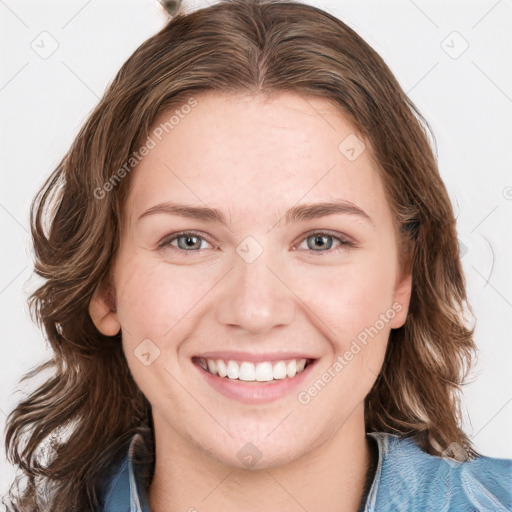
255 297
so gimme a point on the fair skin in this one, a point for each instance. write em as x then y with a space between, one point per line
253 159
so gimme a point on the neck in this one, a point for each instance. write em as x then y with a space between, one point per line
330 478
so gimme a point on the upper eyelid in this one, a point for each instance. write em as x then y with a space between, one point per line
166 240
339 236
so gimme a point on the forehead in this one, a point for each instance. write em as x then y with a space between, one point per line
249 154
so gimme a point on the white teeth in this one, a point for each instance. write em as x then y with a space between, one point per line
280 370
264 372
232 370
247 371
222 371
251 372
291 368
212 366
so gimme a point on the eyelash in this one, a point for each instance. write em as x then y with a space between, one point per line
343 242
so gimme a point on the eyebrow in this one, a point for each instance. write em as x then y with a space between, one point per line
297 213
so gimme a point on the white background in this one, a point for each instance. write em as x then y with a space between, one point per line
465 95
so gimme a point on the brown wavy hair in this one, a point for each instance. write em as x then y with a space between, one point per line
68 432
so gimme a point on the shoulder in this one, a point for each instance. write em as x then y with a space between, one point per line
407 478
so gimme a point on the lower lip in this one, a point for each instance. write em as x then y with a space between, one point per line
255 392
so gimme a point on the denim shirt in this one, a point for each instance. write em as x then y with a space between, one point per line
406 480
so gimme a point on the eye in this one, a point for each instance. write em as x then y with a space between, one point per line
185 241
322 242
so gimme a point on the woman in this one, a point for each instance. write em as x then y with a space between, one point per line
252 287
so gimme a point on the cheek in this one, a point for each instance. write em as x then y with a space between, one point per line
153 298
349 298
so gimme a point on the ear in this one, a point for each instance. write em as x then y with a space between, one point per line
103 311
403 285
402 297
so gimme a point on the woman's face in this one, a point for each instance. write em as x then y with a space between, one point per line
264 276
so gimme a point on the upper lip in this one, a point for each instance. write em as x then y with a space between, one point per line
256 358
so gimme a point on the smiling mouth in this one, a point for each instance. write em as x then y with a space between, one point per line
247 371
